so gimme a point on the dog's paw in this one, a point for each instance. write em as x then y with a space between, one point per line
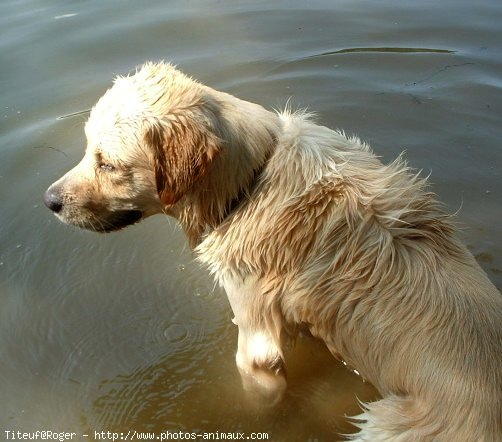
266 386
262 371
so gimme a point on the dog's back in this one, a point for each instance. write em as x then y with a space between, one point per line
365 256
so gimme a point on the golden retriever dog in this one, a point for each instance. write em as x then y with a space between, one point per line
305 229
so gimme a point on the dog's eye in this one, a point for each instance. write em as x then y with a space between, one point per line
107 167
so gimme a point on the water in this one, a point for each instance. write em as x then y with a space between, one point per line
124 331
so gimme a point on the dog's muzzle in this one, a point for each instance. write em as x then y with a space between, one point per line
86 218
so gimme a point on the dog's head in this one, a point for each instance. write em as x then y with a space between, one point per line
149 140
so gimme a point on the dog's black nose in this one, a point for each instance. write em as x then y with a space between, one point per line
53 200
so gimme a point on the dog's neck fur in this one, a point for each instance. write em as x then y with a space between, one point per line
248 135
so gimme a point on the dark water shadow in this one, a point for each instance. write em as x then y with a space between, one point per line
192 394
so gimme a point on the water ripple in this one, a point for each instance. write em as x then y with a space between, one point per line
391 50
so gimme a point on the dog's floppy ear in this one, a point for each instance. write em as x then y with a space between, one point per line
183 152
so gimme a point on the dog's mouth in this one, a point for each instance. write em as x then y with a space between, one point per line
116 221
110 222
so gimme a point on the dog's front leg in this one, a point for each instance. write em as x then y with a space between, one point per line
260 364
259 356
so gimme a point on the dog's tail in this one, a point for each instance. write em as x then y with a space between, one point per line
404 419
393 419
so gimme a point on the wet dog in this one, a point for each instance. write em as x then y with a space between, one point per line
304 228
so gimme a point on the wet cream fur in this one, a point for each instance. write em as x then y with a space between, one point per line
305 228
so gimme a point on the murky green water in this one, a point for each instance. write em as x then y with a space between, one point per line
124 332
